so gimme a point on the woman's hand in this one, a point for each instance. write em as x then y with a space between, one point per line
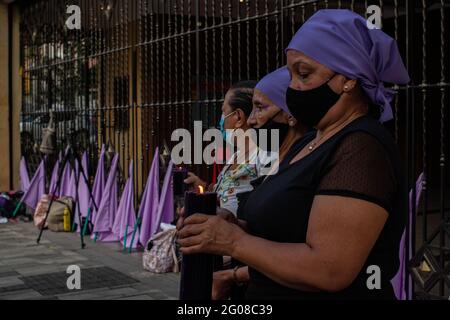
230 217
227 215
201 233
222 283
194 181
223 213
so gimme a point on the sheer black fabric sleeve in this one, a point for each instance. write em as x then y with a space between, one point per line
360 168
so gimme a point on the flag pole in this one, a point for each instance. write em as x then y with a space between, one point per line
16 210
86 222
136 225
125 239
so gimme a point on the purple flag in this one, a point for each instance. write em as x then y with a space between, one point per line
36 188
149 201
82 196
99 182
126 215
104 219
72 192
398 282
66 180
83 189
165 206
54 178
24 178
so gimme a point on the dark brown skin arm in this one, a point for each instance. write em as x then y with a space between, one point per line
341 234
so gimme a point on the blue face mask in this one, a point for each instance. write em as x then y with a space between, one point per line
222 125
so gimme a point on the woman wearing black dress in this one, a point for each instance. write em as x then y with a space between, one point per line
328 225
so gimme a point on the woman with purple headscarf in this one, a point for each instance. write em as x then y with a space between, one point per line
270 113
335 215
270 110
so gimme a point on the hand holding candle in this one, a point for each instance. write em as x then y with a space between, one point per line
197 270
204 239
195 182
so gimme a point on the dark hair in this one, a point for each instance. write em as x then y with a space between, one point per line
242 96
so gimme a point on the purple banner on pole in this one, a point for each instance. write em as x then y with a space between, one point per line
126 215
165 207
150 200
36 188
399 281
99 182
104 219
24 177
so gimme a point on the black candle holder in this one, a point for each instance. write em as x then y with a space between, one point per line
179 175
197 269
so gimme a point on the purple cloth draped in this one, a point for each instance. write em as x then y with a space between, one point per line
66 188
104 219
24 178
126 215
82 197
165 207
83 189
54 178
149 201
399 281
341 40
99 183
36 188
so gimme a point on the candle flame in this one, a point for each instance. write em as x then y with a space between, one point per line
201 190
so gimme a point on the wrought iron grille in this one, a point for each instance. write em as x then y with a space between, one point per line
139 69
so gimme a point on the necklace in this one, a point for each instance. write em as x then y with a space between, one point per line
312 145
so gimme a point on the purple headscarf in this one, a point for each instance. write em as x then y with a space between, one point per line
341 40
274 86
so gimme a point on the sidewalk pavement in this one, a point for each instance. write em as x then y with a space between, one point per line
32 271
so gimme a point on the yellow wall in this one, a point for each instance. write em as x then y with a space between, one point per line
17 96
5 170
4 127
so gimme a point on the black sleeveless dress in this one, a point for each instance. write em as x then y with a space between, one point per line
361 161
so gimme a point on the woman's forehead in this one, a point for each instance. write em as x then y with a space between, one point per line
260 97
298 58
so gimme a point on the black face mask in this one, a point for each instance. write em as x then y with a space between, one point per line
309 107
270 125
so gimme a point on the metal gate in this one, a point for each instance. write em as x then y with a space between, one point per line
139 69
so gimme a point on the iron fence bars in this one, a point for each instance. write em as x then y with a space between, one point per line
444 232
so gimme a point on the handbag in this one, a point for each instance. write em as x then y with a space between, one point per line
55 218
160 254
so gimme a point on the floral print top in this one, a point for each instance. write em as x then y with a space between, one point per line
233 181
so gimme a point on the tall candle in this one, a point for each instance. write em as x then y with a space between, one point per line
197 269
179 175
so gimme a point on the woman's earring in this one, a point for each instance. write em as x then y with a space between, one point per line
292 122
